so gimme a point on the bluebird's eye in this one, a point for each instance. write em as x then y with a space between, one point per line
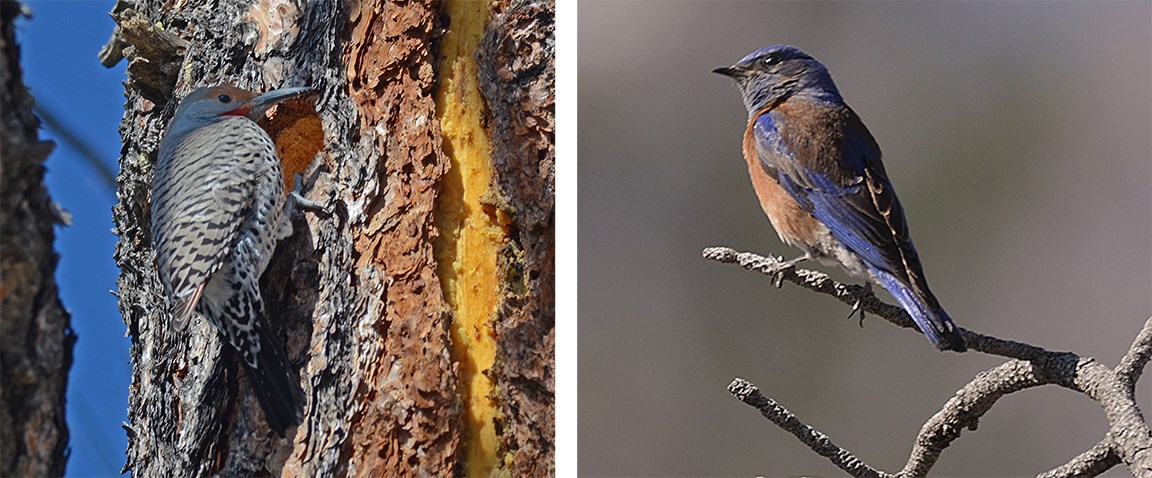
770 60
224 98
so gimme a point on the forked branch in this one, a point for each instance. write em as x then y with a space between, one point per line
1129 440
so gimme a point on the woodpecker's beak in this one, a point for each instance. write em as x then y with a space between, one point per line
729 71
256 107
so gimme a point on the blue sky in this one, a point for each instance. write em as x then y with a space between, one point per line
59 46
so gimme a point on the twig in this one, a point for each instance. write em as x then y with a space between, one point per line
1102 456
964 411
1095 461
87 152
1129 439
849 294
1127 431
816 440
1133 362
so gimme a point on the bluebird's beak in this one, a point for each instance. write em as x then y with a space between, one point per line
729 71
256 107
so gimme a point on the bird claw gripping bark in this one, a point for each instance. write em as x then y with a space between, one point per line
777 271
777 274
857 307
298 200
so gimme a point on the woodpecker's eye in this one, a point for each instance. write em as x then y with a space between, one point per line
224 98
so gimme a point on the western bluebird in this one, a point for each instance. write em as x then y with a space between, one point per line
817 172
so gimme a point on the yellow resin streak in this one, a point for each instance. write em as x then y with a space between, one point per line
470 237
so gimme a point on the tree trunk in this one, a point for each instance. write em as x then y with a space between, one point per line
376 299
518 77
36 337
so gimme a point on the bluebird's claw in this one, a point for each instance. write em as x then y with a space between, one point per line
864 292
777 275
777 272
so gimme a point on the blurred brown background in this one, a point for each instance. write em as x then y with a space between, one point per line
1018 137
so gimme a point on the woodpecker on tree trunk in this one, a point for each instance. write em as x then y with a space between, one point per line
218 210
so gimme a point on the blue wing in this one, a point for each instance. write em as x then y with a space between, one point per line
828 161
831 166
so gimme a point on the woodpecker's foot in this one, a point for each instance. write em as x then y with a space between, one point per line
777 272
864 293
304 203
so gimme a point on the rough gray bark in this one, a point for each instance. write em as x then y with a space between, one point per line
36 338
354 292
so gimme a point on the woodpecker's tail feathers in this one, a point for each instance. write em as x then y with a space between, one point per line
240 320
274 382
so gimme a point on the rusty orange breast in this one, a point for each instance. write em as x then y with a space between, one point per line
795 226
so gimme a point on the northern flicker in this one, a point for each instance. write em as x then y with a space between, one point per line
218 209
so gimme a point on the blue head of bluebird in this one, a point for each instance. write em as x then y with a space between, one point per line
773 74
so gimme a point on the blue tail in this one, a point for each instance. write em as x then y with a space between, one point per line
933 321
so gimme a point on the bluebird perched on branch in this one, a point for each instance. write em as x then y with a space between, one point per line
817 172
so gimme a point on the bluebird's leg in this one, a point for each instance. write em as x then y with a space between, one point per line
864 293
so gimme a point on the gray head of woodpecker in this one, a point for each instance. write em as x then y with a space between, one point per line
210 104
